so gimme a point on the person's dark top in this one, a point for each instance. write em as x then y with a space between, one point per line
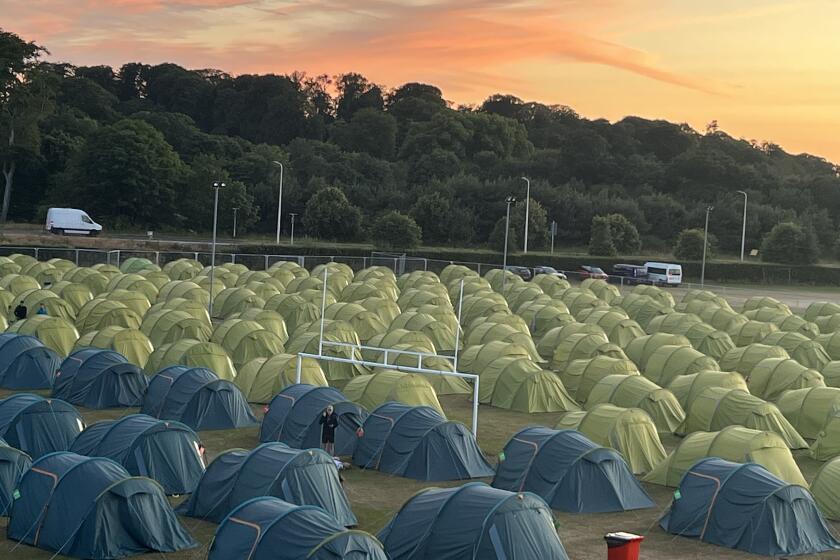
20 312
330 423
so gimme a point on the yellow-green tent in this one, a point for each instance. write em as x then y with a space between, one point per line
718 407
721 319
831 373
100 313
579 300
501 318
580 376
131 343
136 264
55 332
134 300
307 341
821 309
397 337
828 324
157 278
687 387
367 323
551 285
618 327
134 283
751 332
262 378
826 489
795 323
733 443
640 349
295 310
270 320
442 384
443 314
541 318
673 323
19 284
475 359
183 289
642 309
765 302
697 306
630 431
520 384
182 269
386 385
706 339
576 346
766 314
831 343
745 358
77 295
235 300
440 333
264 290
108 270
706 295
635 391
668 362
193 308
386 308
245 340
482 304
192 353
357 291
489 332
455 272
436 294
55 306
8 266
62 264
771 377
827 444
417 278
604 291
658 294
96 281
809 410
548 343
170 325
44 273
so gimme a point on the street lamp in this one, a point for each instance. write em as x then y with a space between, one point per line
234 221
744 227
705 244
216 186
279 202
527 210
292 238
509 200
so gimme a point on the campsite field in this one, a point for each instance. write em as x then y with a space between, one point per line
376 496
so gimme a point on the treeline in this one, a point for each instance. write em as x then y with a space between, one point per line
139 146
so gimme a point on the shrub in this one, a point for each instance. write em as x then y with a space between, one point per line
329 215
790 243
600 240
689 245
395 230
624 234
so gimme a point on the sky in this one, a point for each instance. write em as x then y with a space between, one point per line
766 70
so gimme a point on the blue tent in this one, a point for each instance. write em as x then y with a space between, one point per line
417 442
472 521
25 363
37 425
303 477
197 398
89 507
288 531
743 506
96 378
13 463
570 472
166 451
292 418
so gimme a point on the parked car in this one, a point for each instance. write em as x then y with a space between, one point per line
629 274
64 221
522 271
550 270
586 271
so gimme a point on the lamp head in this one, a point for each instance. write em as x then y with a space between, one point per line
218 184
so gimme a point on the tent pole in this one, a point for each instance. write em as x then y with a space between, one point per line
458 326
298 368
323 309
475 408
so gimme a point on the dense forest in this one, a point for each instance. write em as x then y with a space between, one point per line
139 147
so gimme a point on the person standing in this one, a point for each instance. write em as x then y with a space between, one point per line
329 422
42 310
20 311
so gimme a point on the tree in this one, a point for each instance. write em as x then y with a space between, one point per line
600 241
689 246
790 243
369 130
432 213
329 215
356 93
27 90
396 231
624 235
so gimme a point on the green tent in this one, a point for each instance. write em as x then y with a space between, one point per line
751 332
264 290
440 333
578 300
367 323
194 354
668 362
500 318
697 306
131 343
580 376
108 270
706 339
640 349
43 273
687 387
482 304
262 378
342 269
766 314
831 344
733 443
520 384
386 308
575 346
76 294
489 332
475 359
808 410
828 323
672 322
335 371
356 291
134 283
417 278
134 300
604 291
19 284
62 264
412 298
168 325
288 266
473 285
541 318
707 296
658 294
235 300
196 309
182 269
718 407
630 431
222 280
745 358
96 281
826 489
55 306
619 329
771 377
551 285
397 337
245 340
795 323
135 264
270 321
444 314
442 384
56 333
831 373
642 309
821 309
294 309
827 444
548 343
99 313
765 302
386 385
721 319
635 391
520 296
456 272
497 277
183 289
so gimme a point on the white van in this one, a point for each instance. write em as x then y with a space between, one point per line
663 274
71 220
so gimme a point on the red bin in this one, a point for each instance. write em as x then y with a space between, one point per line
623 546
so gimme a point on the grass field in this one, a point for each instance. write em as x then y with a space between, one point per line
375 496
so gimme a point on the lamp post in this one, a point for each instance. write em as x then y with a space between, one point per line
292 238
744 226
234 221
279 202
527 210
705 245
216 186
509 200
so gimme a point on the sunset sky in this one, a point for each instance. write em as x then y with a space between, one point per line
765 69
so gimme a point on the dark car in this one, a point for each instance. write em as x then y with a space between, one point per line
629 274
522 271
550 270
586 271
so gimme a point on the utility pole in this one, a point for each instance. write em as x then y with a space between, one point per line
216 186
705 245
279 202
292 238
234 222
553 233
509 200
527 210
744 226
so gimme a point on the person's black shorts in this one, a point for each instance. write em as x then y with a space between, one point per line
327 438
